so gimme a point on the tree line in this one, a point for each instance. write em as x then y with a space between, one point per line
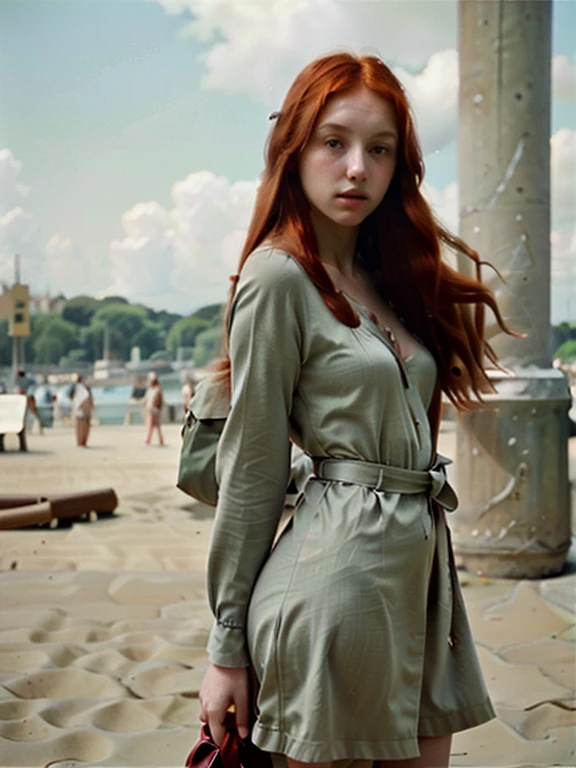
78 334
564 341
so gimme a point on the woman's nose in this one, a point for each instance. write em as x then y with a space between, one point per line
356 170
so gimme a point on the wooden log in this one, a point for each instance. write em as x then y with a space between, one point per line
66 504
31 514
19 510
20 500
77 504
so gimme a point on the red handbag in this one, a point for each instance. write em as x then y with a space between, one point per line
234 752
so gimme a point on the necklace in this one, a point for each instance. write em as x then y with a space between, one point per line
387 331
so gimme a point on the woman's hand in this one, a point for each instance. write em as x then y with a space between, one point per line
222 687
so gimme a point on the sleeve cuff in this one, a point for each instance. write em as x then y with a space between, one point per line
227 646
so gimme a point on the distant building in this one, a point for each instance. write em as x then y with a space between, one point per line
47 305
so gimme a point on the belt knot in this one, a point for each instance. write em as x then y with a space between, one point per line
440 489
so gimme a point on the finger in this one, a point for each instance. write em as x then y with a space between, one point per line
242 716
217 730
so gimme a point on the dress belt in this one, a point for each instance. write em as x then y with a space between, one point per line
383 477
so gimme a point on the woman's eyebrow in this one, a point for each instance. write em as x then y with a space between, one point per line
387 133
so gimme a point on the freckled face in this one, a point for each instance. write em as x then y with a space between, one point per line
349 161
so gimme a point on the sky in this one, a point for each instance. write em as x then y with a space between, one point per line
132 131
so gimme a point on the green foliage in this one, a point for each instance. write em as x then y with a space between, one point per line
184 333
124 323
39 322
163 318
213 313
150 338
113 300
92 341
567 351
78 335
207 346
80 310
561 333
125 318
55 339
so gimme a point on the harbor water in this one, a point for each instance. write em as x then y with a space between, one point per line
113 403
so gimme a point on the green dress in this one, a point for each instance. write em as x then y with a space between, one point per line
354 622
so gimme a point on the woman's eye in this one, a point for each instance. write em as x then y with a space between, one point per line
381 150
332 143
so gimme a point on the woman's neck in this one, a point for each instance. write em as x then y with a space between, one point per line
336 245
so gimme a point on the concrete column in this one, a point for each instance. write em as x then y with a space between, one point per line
512 462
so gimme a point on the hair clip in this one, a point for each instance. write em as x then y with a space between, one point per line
273 115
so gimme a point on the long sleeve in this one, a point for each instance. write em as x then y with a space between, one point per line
253 462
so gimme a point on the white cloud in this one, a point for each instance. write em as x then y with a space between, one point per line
179 259
11 191
212 217
19 234
142 262
56 265
563 274
68 271
563 244
258 46
182 259
563 235
563 79
563 177
434 96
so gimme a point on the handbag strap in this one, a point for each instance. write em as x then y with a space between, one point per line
205 753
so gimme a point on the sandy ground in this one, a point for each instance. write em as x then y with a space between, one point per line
103 624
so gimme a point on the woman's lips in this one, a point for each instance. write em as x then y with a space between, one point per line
352 199
353 195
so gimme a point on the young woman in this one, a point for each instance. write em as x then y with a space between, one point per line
345 327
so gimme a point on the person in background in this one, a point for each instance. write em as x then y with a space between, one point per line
25 385
153 401
82 407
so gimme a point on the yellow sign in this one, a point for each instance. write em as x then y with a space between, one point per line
5 305
18 310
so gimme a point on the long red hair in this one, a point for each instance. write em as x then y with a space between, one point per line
400 243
